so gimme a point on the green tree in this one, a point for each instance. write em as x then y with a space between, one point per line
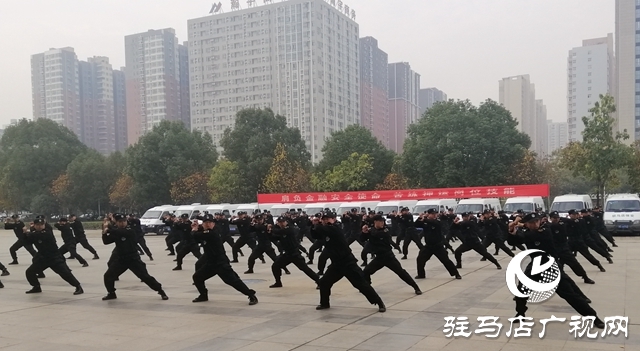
166 154
601 152
351 174
191 189
285 175
120 194
250 144
456 144
32 155
44 204
356 138
225 182
90 179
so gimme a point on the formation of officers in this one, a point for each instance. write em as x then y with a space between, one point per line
432 232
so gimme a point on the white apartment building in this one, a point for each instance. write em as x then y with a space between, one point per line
556 136
627 66
541 140
297 57
590 72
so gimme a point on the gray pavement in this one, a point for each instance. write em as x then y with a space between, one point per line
286 319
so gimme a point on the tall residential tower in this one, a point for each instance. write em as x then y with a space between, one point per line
404 102
374 94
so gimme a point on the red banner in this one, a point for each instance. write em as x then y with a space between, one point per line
410 194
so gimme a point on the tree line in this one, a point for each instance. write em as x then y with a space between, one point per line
44 168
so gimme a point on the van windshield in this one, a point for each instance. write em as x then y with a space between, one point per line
513 207
387 209
311 210
151 215
623 206
567 206
420 209
276 212
469 208
181 212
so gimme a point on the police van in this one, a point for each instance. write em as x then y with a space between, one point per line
386 207
622 214
527 204
564 203
477 206
152 220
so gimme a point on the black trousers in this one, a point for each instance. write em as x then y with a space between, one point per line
354 274
566 290
57 264
316 246
185 249
583 249
390 261
607 235
441 253
364 254
259 251
241 242
136 266
82 240
227 238
499 242
171 240
2 267
284 260
411 234
399 236
595 236
322 260
70 247
224 271
565 256
593 245
477 247
17 246
142 242
353 238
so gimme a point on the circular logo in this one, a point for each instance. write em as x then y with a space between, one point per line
123 238
540 281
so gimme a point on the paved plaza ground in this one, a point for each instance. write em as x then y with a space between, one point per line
286 319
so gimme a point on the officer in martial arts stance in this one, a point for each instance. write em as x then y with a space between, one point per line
435 246
187 244
126 256
263 245
558 229
69 241
215 262
468 233
493 233
343 263
17 226
290 245
536 237
576 239
48 256
378 241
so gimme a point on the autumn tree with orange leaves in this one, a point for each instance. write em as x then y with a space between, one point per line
191 189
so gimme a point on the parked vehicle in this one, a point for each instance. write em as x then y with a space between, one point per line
622 214
477 205
387 207
525 203
564 203
152 220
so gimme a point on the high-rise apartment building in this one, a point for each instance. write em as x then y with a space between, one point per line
627 66
430 96
120 109
557 136
97 104
404 102
297 57
152 80
374 94
185 108
590 72
55 88
541 140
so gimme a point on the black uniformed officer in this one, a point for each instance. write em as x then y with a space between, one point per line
5 273
48 256
598 217
576 236
288 242
434 244
243 222
14 223
408 227
69 241
558 228
468 233
493 233
264 244
81 236
174 235
378 240
127 257
594 240
222 227
187 244
536 237
343 263
135 224
215 262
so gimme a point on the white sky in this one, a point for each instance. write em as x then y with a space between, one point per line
463 47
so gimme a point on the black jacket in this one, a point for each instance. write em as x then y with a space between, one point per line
125 241
379 241
335 242
45 243
287 239
211 243
66 232
431 231
78 229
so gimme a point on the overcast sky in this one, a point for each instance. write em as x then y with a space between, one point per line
463 47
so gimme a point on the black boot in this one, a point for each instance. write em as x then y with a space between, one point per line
253 300
110 296
458 265
587 280
201 298
78 291
250 271
96 257
13 262
277 284
322 307
601 268
5 273
1 285
381 307
34 290
163 295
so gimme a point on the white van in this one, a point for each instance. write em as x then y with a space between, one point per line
222 208
152 220
387 207
347 206
478 205
525 203
440 205
186 209
317 207
248 208
564 203
622 214
280 209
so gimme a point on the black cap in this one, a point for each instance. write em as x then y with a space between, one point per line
486 212
500 213
281 219
72 215
554 214
131 215
40 216
38 221
584 211
432 211
208 218
328 214
405 209
378 218
119 217
520 211
15 216
184 216
464 214
531 217
217 214
63 219
381 213
572 212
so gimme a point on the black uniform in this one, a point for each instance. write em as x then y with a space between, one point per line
601 228
244 228
222 227
343 264
290 246
470 241
69 242
134 223
81 237
48 256
575 228
264 245
434 246
355 225
493 235
215 262
20 242
187 244
542 239
380 243
594 240
561 244
126 257
174 236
